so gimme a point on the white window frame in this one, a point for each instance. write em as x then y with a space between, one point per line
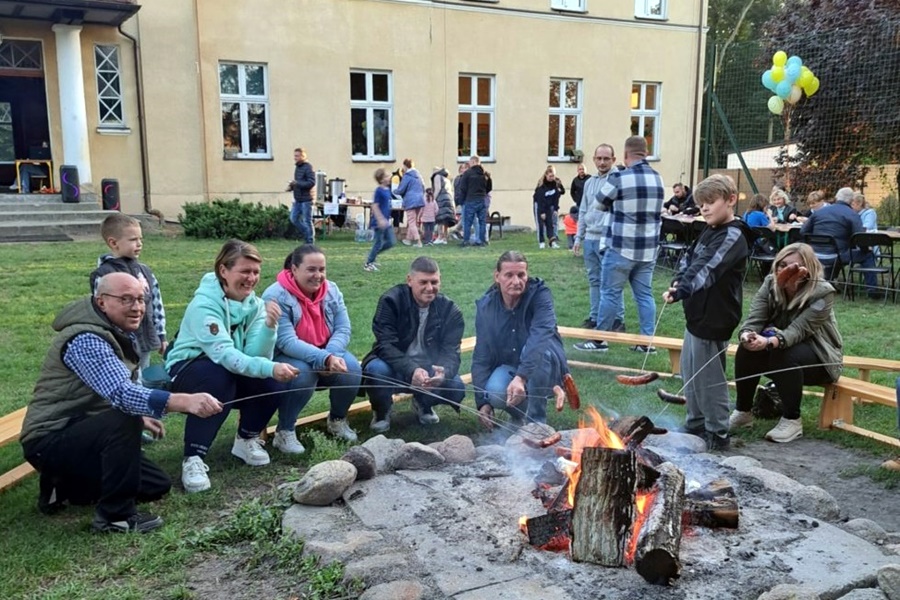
569 5
641 112
643 9
369 104
109 86
243 99
474 109
562 112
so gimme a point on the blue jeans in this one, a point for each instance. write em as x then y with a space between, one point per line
616 271
538 389
384 240
301 217
380 390
343 388
472 210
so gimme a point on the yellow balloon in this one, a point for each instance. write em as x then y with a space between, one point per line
805 77
777 74
813 87
779 59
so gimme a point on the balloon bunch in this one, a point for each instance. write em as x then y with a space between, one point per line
788 79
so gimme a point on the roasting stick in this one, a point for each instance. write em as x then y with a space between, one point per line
653 335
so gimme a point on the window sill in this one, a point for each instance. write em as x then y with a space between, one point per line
246 157
650 18
563 159
114 130
484 1
371 159
575 11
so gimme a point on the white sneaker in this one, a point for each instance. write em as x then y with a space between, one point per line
381 425
287 442
193 475
340 428
554 245
250 451
740 418
541 245
426 415
786 431
407 242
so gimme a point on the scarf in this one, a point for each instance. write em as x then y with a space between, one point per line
311 327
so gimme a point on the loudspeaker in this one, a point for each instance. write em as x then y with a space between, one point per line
110 191
70 186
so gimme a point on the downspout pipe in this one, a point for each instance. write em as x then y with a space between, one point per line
698 85
142 126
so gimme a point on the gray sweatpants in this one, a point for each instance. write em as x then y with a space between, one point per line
707 390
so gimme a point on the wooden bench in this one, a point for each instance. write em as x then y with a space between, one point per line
838 402
10 427
497 219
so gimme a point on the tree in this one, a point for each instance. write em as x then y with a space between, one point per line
853 122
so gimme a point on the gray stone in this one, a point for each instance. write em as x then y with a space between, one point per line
307 521
342 547
889 580
702 550
814 501
395 590
488 451
739 463
684 443
770 479
415 455
456 449
518 589
787 591
388 501
324 483
384 450
866 529
892 548
377 567
865 594
364 461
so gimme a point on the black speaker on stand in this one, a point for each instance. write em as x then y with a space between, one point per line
110 191
69 184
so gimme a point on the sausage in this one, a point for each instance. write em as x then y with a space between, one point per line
790 277
543 443
642 379
571 391
670 398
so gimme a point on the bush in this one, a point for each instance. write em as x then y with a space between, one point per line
223 219
889 210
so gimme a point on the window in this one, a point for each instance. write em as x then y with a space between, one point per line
645 115
573 5
244 94
7 146
650 9
475 123
564 132
109 86
21 55
371 115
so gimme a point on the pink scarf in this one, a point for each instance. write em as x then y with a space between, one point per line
311 328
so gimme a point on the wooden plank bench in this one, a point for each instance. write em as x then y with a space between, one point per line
10 427
838 402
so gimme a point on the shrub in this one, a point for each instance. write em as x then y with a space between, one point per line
223 219
889 210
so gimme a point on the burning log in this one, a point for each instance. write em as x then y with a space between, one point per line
632 430
714 505
604 506
550 531
659 533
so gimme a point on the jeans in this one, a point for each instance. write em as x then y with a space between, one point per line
427 232
472 210
342 389
301 217
203 375
26 172
384 240
380 390
615 271
538 389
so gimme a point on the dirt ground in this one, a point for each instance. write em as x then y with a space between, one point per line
821 463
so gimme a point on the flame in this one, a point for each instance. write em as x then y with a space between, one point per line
592 433
642 503
523 524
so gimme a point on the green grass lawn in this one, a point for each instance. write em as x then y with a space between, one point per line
56 557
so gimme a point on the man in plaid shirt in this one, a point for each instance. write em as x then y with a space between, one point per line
634 197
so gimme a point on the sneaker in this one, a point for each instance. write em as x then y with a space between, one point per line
644 349
425 414
541 245
193 475
786 431
740 418
717 443
370 267
380 424
136 523
407 243
418 244
456 235
287 442
592 346
147 438
588 324
250 451
440 242
554 245
340 428
891 465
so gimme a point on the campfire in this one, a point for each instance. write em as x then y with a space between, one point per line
614 503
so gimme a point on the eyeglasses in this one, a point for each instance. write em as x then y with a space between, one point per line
128 301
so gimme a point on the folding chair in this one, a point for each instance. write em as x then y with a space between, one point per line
882 246
672 244
762 252
826 250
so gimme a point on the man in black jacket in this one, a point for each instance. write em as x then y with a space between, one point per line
302 185
418 332
474 188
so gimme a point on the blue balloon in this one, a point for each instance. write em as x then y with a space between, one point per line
792 72
767 80
794 60
783 89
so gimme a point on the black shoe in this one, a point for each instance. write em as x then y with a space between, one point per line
717 443
136 523
50 500
589 324
644 349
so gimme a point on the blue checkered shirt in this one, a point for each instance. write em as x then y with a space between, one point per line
94 361
635 198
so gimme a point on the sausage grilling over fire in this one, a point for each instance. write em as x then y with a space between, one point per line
543 443
571 391
642 379
670 398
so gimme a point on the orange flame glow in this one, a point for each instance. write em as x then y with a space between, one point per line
523 524
592 433
643 501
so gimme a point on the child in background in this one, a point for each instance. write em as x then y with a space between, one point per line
381 219
122 235
710 274
570 223
757 214
428 216
446 217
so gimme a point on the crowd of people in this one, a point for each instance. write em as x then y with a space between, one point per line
267 354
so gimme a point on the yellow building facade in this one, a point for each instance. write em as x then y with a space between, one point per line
192 100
